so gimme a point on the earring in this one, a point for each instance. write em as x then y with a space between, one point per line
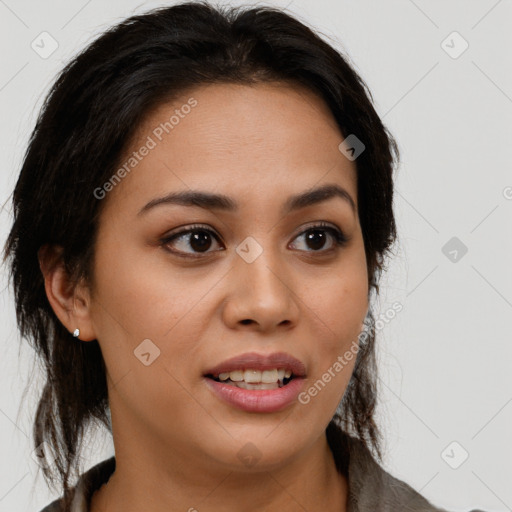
76 333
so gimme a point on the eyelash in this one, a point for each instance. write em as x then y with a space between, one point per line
340 239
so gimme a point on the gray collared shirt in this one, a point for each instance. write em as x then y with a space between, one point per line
371 488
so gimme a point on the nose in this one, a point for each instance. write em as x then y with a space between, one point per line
261 295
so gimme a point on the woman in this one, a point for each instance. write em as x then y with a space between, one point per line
201 218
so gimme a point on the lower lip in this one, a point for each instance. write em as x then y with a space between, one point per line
257 400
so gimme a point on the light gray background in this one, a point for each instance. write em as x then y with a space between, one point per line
445 357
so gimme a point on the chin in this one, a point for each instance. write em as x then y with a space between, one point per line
254 449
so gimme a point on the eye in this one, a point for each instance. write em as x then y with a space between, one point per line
198 238
316 237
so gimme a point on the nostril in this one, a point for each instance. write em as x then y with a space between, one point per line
247 321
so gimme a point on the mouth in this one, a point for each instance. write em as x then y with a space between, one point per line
257 383
253 378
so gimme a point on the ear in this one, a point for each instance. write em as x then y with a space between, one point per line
70 303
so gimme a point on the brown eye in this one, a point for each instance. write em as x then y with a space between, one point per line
316 237
196 239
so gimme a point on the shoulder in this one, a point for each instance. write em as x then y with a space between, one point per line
373 489
87 484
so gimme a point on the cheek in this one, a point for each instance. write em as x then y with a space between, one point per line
144 296
146 331
140 299
341 309
337 349
338 303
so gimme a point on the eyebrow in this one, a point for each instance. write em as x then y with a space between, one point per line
211 201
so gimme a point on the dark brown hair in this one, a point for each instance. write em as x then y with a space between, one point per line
90 115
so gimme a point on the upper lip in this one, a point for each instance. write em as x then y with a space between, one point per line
253 360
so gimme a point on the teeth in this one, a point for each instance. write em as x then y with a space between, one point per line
236 376
252 376
245 385
269 376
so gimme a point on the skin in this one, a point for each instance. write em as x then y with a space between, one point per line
176 443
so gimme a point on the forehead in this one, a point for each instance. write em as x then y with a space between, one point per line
248 141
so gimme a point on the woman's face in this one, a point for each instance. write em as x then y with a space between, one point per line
255 278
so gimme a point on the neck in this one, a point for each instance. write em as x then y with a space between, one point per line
145 480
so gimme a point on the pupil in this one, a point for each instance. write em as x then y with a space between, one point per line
316 238
200 241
